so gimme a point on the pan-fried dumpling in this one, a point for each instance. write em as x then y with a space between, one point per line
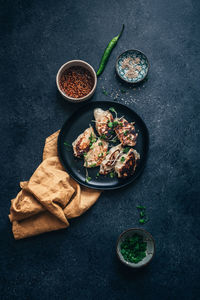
125 132
110 160
102 118
83 142
96 154
126 164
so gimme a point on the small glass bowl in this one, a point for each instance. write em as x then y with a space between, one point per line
76 63
139 65
147 237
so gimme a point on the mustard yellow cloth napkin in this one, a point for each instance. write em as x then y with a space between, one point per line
49 198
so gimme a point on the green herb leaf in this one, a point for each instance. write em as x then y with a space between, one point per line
115 123
122 159
93 165
92 138
126 149
141 213
113 110
141 207
98 174
112 174
103 137
100 144
125 132
100 154
85 154
110 124
105 93
88 179
67 144
143 221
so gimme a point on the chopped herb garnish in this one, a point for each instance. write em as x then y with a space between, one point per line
125 132
133 248
112 174
110 124
115 123
100 144
113 110
92 139
88 179
85 154
125 150
91 147
105 93
103 137
141 207
142 213
68 146
120 124
100 154
107 152
122 159
93 165
98 174
143 219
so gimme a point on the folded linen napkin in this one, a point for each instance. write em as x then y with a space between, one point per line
49 198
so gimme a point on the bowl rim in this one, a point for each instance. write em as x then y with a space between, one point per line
127 263
125 79
86 97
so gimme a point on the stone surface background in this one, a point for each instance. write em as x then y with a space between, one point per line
37 37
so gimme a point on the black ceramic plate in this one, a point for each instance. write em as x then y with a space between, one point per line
77 123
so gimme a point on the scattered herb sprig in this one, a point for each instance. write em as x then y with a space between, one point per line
68 146
142 211
126 149
113 110
112 174
105 92
88 178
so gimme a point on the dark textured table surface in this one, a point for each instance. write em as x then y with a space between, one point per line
80 262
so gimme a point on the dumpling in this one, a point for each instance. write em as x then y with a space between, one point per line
126 164
125 132
102 118
110 160
83 142
96 154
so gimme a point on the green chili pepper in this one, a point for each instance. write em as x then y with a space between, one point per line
108 51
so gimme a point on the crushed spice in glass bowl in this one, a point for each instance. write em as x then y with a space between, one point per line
132 66
76 81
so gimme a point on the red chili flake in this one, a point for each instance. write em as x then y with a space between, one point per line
76 82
